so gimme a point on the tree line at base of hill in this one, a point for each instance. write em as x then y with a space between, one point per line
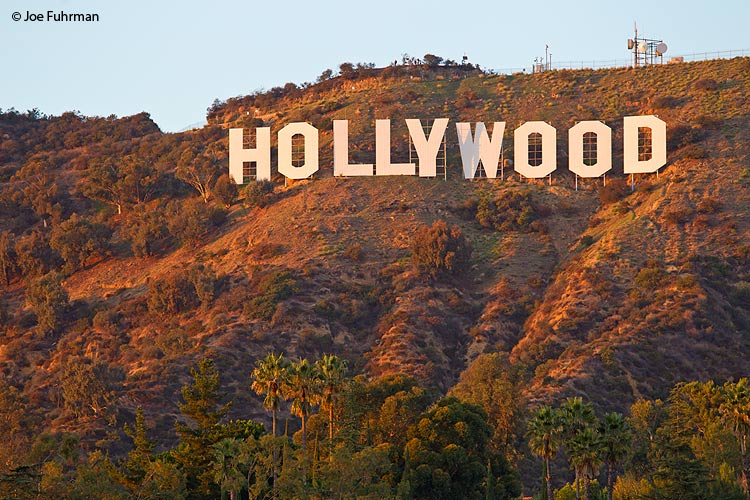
693 446
391 438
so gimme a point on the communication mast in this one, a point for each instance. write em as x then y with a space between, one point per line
540 66
646 51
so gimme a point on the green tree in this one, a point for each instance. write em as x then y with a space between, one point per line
226 467
7 256
577 416
447 456
493 383
120 182
398 413
735 411
163 481
97 479
695 420
568 492
331 370
146 231
585 450
199 168
202 398
90 387
40 189
16 425
544 433
615 439
347 70
359 474
188 222
646 418
302 388
432 60
139 458
201 404
676 471
269 379
49 300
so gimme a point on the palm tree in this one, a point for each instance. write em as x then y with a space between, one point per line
585 451
331 370
302 388
227 473
735 411
269 377
615 436
544 431
576 416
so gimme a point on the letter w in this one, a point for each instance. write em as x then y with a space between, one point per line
481 147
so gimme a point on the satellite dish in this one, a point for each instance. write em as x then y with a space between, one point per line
661 48
631 43
642 47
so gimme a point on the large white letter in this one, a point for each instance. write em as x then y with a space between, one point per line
603 149
482 148
286 167
261 155
658 146
341 165
427 149
383 165
521 150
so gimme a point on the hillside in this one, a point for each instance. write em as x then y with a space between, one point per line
603 293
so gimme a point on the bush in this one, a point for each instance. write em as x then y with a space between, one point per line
49 300
709 205
273 287
78 239
650 278
440 250
182 291
354 252
105 320
147 234
614 191
512 211
678 215
171 295
226 191
34 256
188 222
707 84
695 152
259 194
216 216
586 241
467 209
665 102
568 492
7 256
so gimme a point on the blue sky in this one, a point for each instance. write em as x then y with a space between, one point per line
172 59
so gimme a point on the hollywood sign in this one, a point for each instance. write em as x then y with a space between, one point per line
644 149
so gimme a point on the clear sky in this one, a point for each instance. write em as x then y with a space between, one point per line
172 59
